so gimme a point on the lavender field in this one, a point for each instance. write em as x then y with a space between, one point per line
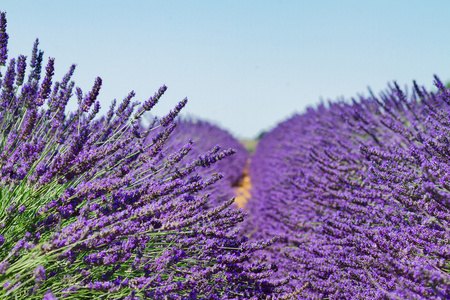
349 200
359 194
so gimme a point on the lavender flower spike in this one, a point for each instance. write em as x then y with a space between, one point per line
47 83
21 66
148 105
49 296
3 40
173 114
90 98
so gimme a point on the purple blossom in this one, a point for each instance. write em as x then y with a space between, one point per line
21 67
29 124
150 103
21 209
46 84
34 54
4 267
173 113
7 94
3 40
36 74
39 274
49 296
92 96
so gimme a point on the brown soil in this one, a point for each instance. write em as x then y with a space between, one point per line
243 188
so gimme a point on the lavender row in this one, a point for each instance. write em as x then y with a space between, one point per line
105 208
360 194
205 136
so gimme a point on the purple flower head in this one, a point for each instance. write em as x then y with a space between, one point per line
34 53
7 94
125 103
173 113
150 103
49 296
79 93
3 39
46 84
92 96
29 124
39 274
21 67
4 267
36 74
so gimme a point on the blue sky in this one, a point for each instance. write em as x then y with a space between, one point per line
244 65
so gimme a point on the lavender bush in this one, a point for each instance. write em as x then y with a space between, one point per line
205 136
360 194
97 208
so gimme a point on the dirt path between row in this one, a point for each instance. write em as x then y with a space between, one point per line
243 188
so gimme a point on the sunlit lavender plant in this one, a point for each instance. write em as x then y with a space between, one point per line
93 208
204 136
360 194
